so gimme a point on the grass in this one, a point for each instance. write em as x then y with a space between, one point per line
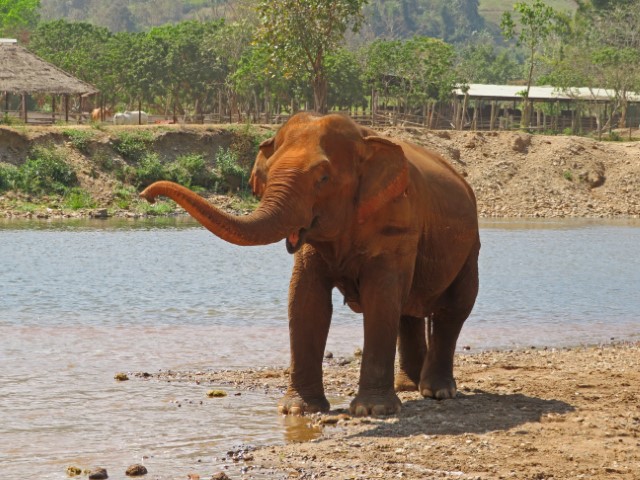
133 145
76 199
79 138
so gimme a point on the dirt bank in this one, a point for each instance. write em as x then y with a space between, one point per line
532 414
513 174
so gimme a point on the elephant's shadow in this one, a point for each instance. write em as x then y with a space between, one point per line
477 412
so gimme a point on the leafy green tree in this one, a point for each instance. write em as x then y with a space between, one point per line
603 51
537 22
304 33
16 16
344 73
411 72
480 61
75 47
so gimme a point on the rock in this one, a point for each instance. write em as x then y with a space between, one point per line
521 143
216 393
136 470
100 213
98 474
328 355
121 377
73 471
220 476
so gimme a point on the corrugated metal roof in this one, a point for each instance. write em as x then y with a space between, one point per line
515 92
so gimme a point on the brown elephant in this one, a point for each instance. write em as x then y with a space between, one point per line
390 224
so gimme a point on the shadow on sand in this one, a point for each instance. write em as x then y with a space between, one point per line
471 412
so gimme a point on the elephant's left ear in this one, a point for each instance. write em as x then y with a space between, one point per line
258 179
384 175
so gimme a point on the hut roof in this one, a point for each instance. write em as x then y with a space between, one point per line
23 72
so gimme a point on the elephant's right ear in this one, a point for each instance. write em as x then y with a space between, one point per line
384 175
258 179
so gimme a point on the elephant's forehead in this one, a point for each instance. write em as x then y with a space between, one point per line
299 154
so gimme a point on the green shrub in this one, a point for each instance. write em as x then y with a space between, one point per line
79 138
124 196
568 175
46 171
77 198
150 169
133 146
613 137
190 170
8 120
9 177
227 163
158 208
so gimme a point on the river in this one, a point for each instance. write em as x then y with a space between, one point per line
82 300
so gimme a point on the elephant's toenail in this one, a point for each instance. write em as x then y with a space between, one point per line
361 411
295 411
379 410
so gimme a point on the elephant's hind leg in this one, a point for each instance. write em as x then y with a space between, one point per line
412 348
443 328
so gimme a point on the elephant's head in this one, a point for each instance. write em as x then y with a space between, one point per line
316 178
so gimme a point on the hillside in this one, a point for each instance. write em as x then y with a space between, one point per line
513 174
451 20
491 10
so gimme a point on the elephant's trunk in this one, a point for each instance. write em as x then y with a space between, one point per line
265 225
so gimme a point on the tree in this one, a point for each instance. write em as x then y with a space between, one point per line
305 32
16 16
479 61
603 51
75 47
537 22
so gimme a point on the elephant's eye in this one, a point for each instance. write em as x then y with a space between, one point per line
323 179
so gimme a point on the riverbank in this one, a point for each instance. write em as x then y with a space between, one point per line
514 174
529 414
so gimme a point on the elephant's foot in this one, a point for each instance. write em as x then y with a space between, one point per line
403 382
375 404
294 404
440 387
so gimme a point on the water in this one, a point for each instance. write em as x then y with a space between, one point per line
83 300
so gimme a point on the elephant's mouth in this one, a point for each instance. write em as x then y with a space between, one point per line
295 240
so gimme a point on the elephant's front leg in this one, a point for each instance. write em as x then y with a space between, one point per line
310 311
381 291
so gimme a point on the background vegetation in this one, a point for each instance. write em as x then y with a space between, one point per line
257 58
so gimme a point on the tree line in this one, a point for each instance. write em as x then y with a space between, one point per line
289 55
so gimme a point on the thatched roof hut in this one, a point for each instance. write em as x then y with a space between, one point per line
22 72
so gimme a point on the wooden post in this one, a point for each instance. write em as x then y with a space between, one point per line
24 107
492 117
53 109
79 121
139 112
66 108
6 102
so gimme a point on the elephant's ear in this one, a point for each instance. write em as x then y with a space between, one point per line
258 179
384 176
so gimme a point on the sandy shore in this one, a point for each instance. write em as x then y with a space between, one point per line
530 414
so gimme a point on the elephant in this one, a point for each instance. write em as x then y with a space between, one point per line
390 224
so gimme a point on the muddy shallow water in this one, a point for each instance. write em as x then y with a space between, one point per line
82 300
